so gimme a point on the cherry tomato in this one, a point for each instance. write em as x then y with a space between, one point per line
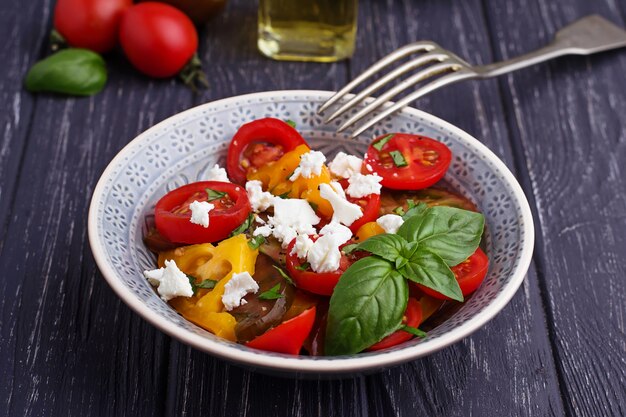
469 274
322 283
258 143
370 205
407 162
412 317
172 214
158 39
90 24
288 336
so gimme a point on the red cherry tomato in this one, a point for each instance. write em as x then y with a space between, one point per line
158 39
90 24
412 317
258 143
469 274
425 161
288 336
172 214
370 206
322 283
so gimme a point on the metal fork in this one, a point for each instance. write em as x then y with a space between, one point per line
586 36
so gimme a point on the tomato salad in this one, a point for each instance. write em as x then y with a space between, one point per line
287 253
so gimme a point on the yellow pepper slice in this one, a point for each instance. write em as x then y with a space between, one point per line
205 261
275 179
368 230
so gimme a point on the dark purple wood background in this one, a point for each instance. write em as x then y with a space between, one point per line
70 347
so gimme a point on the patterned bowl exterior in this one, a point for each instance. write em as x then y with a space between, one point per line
184 147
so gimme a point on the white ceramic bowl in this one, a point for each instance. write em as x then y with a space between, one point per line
181 149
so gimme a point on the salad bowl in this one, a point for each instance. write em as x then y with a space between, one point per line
183 148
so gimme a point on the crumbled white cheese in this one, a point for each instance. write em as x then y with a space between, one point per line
292 217
217 174
236 288
200 212
171 281
302 246
363 185
345 165
324 255
311 164
259 200
344 211
390 222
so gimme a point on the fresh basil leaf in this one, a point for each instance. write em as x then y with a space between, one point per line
192 282
428 269
382 142
399 211
256 241
451 233
303 267
207 284
243 227
414 331
349 248
367 305
387 245
271 294
410 203
291 123
414 210
283 274
398 159
214 194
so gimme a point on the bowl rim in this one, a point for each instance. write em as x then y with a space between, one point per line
300 364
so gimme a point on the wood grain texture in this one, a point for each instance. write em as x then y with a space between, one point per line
566 123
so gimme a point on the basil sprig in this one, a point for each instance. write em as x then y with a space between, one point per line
371 295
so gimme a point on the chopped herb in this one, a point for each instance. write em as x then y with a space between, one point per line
411 203
206 284
399 211
214 195
398 159
243 227
283 274
291 123
379 145
271 294
414 331
313 205
348 249
303 267
256 241
284 195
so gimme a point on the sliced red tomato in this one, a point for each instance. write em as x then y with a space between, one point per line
259 143
469 274
322 283
407 162
370 205
172 215
412 317
288 336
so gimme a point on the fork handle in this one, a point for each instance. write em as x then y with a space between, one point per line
586 36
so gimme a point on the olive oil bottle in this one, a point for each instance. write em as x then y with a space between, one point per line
307 30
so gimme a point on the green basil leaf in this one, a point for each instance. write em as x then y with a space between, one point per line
398 159
382 142
291 123
349 248
428 269
256 241
271 294
71 71
214 194
414 331
451 233
388 246
283 274
303 267
414 210
243 227
207 284
399 211
367 305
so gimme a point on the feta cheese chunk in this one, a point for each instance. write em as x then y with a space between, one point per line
311 164
363 185
390 222
292 217
200 212
171 281
344 211
345 165
259 200
324 255
302 246
217 174
236 288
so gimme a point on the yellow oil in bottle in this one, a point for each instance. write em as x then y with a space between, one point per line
307 30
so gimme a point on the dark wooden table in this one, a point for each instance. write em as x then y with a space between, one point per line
70 347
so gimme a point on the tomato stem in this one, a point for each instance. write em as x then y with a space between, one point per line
192 74
57 41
